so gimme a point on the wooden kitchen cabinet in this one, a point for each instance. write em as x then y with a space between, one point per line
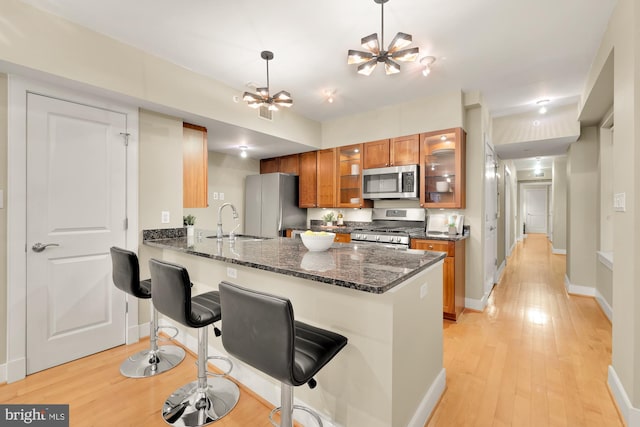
349 177
376 154
307 181
269 165
194 166
442 169
285 164
326 178
289 164
453 273
404 150
342 238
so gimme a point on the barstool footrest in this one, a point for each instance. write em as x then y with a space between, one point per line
298 407
169 338
223 374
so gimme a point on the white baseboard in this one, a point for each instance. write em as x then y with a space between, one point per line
606 308
429 401
630 414
144 330
578 289
16 370
3 373
558 251
500 271
476 304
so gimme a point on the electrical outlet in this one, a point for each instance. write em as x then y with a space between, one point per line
424 290
232 272
165 217
215 195
221 196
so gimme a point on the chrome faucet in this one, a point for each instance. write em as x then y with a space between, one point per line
219 231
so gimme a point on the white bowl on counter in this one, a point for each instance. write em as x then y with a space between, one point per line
318 241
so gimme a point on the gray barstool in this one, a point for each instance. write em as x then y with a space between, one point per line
155 360
207 399
260 330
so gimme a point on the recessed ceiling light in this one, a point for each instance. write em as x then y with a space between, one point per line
243 151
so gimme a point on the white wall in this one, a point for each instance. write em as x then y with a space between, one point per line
422 115
3 216
582 209
559 217
226 174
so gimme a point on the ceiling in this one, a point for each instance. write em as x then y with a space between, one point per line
513 52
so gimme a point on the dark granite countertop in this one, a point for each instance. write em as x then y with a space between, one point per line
364 267
431 236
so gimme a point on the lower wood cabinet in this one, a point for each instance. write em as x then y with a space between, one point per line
453 273
342 238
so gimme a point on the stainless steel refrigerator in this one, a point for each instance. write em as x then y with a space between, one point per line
271 205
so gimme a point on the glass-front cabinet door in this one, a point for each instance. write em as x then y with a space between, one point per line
443 169
350 177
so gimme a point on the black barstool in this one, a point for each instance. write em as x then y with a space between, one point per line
155 360
260 330
207 399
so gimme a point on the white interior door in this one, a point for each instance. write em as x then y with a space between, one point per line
76 200
491 220
536 210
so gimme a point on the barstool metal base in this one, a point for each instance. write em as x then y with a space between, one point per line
191 407
143 364
298 407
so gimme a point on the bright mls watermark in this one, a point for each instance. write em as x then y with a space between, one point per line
34 415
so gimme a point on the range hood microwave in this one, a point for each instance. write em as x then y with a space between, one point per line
395 182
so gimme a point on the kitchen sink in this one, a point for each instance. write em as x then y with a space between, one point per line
241 238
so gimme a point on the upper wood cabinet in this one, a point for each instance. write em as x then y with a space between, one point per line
326 178
285 164
443 166
269 165
194 166
289 164
376 154
307 183
349 177
404 150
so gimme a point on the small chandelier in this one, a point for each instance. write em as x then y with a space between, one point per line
262 98
395 52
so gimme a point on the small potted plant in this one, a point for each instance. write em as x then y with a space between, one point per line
329 218
189 221
453 230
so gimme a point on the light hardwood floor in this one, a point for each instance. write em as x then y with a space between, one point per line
535 357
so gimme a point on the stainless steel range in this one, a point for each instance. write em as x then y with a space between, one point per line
391 227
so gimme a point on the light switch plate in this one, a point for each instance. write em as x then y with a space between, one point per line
1 199
619 202
221 196
165 217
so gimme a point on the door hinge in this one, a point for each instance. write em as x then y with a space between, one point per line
126 138
126 307
126 223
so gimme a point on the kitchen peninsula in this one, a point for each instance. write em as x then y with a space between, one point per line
387 302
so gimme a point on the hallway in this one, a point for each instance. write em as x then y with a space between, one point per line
535 357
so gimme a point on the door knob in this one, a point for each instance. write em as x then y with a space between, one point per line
39 247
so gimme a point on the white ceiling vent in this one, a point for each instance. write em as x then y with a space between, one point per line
265 113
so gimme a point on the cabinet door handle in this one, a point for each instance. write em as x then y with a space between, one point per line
430 246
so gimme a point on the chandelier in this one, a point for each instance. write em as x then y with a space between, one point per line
395 52
262 98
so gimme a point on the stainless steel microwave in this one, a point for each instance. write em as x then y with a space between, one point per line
394 182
